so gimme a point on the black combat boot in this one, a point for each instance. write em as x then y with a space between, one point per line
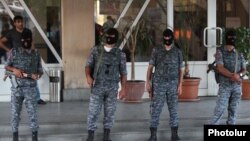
90 135
15 136
174 136
153 136
106 135
34 136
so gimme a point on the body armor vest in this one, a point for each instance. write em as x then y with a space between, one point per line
229 62
109 66
167 64
28 62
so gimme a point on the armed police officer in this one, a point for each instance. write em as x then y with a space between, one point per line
167 61
12 38
24 65
231 66
105 68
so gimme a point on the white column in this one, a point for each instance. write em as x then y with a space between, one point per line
211 40
170 14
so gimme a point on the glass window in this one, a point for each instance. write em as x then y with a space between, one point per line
190 18
233 13
5 25
152 23
47 14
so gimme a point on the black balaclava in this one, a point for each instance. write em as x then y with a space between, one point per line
26 39
230 37
168 33
111 36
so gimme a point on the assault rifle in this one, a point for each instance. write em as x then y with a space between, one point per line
12 77
211 66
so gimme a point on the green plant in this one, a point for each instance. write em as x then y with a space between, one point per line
138 41
243 44
189 21
183 41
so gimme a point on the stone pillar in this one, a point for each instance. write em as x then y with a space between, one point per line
77 39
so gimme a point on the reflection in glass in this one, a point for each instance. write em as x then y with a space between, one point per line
5 26
154 18
15 6
47 14
190 20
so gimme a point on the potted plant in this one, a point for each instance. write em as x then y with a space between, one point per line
139 39
190 85
243 46
185 38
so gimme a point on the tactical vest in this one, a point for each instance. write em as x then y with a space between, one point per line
28 62
109 69
229 62
167 64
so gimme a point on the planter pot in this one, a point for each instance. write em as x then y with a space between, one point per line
190 89
134 91
245 89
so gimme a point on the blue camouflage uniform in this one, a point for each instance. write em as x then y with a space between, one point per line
229 93
24 89
106 84
165 81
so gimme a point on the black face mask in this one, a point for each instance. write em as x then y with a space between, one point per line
111 36
26 39
111 39
168 33
230 40
168 42
26 43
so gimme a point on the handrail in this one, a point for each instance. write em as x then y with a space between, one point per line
41 32
134 23
123 13
205 36
12 16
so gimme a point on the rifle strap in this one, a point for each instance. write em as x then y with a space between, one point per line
236 61
99 62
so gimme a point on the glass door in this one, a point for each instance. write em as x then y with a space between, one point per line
190 18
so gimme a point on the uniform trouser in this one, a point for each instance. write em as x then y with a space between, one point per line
228 98
161 92
105 95
38 97
26 95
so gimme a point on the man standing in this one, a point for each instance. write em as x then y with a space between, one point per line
231 66
105 67
24 67
166 83
13 38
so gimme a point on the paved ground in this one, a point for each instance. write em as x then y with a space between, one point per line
68 119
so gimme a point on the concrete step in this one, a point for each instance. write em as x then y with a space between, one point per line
121 131
119 126
67 121
189 130
191 134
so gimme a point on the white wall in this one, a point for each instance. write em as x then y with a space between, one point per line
43 84
197 69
